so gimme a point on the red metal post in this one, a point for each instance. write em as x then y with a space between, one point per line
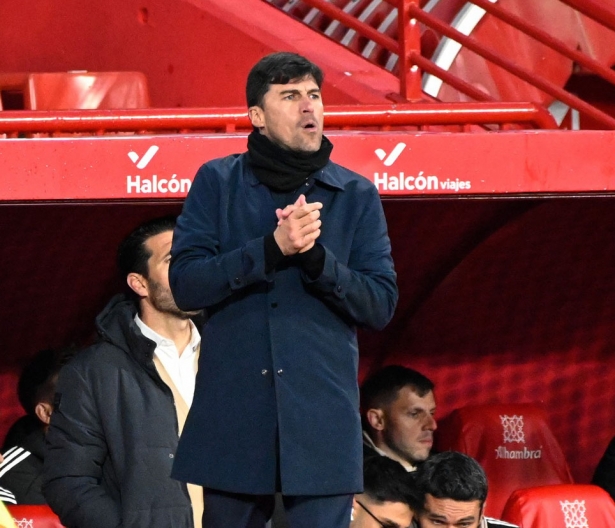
160 120
598 11
331 10
545 38
546 86
409 44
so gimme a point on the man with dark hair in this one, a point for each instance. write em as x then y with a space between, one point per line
398 407
21 470
288 253
120 404
452 490
388 497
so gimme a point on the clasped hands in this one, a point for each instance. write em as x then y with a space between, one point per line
298 226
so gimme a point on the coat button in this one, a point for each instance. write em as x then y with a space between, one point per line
274 304
237 281
339 289
171 455
264 372
280 372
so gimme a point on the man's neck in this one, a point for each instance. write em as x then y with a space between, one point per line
169 326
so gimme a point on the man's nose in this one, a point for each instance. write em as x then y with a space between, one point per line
430 423
307 105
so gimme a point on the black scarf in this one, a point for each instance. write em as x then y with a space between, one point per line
284 170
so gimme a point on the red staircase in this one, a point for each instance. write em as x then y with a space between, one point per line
557 53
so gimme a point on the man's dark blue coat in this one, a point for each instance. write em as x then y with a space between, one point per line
278 364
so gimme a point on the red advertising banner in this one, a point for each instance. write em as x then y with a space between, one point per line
399 164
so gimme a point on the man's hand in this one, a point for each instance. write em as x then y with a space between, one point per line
298 226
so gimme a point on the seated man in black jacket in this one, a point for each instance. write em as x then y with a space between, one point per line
398 408
120 404
21 470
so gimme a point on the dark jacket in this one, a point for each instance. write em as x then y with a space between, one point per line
21 472
604 475
114 434
279 352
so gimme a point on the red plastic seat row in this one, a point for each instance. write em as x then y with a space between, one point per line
34 516
79 90
561 506
514 445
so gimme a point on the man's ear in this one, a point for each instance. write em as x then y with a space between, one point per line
375 418
138 284
257 116
43 412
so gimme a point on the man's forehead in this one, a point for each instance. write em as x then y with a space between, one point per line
293 84
408 395
452 510
160 244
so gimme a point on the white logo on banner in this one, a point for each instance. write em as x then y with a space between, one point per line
392 157
574 514
513 429
409 182
24 523
147 157
139 184
513 433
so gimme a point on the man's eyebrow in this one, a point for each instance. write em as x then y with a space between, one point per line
436 516
295 91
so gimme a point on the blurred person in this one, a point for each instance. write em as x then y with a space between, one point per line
398 407
21 464
388 496
288 252
452 489
604 475
120 404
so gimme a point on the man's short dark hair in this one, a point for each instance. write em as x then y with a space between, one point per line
385 480
132 254
381 388
451 475
278 68
38 379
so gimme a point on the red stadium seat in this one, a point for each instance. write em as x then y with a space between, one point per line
513 444
86 90
561 506
34 516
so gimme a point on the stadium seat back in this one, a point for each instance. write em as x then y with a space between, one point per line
86 90
561 506
513 444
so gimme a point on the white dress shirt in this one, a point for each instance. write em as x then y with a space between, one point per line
181 368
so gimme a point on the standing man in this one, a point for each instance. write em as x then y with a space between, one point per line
288 253
120 404
398 415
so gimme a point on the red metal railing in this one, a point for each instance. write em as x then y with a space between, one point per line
412 63
18 122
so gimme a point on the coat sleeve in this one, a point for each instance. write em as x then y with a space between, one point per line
76 451
23 481
200 275
364 290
